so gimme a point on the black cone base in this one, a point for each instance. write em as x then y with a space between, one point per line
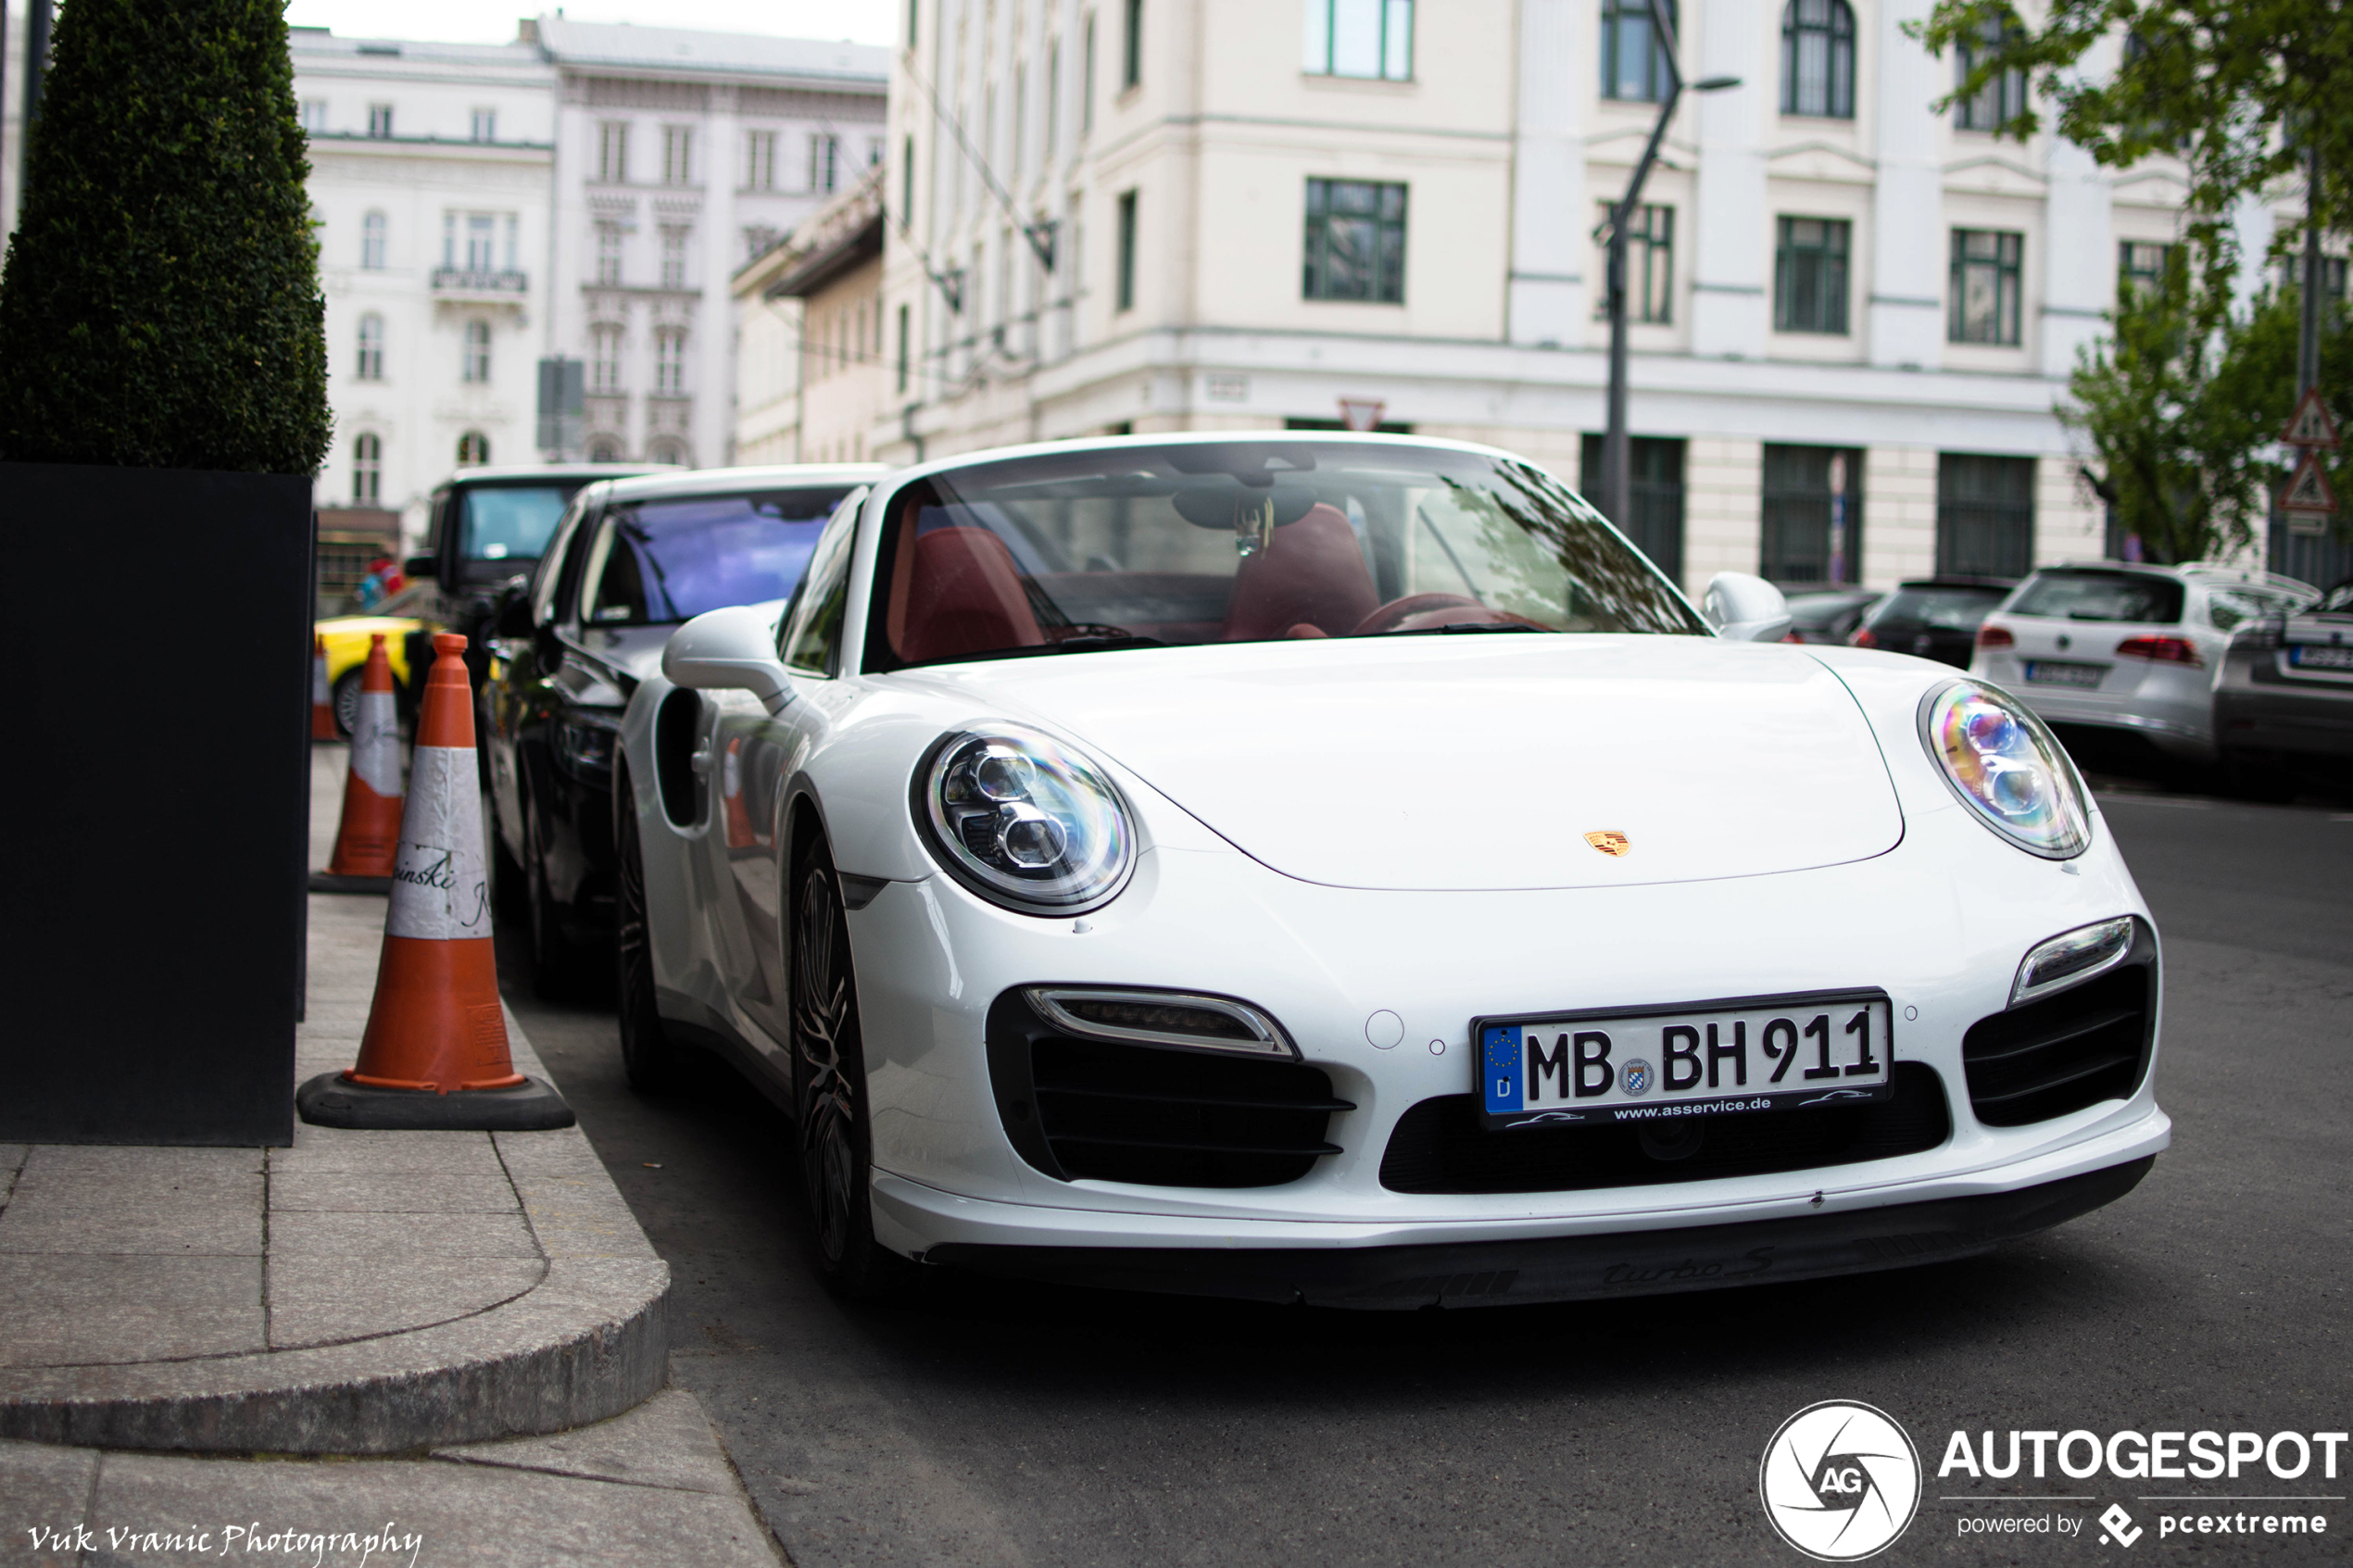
333 1101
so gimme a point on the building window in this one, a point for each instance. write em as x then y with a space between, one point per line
1053 100
1985 515
482 242
1126 291
2000 100
604 357
371 348
904 348
314 116
1818 59
670 360
367 471
1087 81
612 152
373 231
1654 495
907 184
825 162
1650 266
1633 57
674 257
667 451
609 253
677 154
473 449
1366 38
1985 286
379 122
757 239
604 449
1131 58
474 363
760 161
485 125
1813 515
1356 241
2140 267
1809 274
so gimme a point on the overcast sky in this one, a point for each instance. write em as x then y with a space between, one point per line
474 21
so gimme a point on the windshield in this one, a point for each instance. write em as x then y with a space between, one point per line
1817 612
513 522
1248 541
673 560
2102 595
1937 610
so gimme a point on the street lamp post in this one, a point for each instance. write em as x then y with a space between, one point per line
1615 469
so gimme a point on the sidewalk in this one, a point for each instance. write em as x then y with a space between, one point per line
422 1294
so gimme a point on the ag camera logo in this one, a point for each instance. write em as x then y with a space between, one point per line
1839 1481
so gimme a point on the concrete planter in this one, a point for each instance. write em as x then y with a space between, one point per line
159 624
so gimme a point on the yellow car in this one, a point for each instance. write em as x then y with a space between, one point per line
346 639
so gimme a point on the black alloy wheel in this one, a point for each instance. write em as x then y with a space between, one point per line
833 1133
343 701
647 1054
558 972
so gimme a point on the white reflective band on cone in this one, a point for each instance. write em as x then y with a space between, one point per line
375 744
439 892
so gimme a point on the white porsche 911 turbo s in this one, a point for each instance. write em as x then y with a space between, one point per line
1342 869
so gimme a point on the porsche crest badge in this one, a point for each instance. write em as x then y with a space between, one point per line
1609 841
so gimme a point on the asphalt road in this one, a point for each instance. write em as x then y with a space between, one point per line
994 1424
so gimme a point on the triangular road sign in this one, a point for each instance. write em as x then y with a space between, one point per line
2311 426
2309 491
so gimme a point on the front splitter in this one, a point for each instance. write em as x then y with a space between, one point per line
1574 1268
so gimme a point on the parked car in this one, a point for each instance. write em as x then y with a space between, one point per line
2127 649
1338 868
347 637
484 529
630 560
2284 697
1933 617
1831 616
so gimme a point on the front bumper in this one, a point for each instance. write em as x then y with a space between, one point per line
1560 1268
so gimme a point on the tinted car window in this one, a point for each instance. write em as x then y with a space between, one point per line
2102 595
1819 612
673 560
511 521
811 638
1944 610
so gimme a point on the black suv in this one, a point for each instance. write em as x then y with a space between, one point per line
1933 617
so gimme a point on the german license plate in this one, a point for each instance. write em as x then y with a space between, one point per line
2310 655
1635 1065
2054 672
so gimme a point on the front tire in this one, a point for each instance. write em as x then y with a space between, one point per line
833 1135
343 701
648 1056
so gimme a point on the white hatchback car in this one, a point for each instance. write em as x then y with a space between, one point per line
1342 869
2127 646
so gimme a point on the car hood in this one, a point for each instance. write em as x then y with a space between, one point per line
1497 762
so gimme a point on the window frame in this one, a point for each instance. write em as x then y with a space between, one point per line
1131 52
670 361
1123 292
2008 265
1831 262
1617 15
1836 28
367 469
1393 59
2000 100
677 156
370 359
1388 266
375 240
612 152
473 365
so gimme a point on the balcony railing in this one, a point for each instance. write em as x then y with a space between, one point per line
465 279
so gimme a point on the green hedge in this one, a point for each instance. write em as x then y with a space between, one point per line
161 306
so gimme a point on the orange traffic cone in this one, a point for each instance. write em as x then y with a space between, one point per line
434 1054
322 699
370 829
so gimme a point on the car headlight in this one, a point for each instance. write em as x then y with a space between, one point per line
2007 767
1023 820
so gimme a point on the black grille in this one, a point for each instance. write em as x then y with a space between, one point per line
1161 1117
1443 1145
2074 1050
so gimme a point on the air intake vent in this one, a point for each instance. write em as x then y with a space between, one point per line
1441 1145
1113 1111
2065 1052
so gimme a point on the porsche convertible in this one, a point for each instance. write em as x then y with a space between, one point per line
1343 870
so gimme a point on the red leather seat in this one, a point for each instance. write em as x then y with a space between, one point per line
1311 572
964 597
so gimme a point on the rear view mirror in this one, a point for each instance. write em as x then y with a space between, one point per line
730 649
420 566
1745 608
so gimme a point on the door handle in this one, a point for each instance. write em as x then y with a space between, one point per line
700 761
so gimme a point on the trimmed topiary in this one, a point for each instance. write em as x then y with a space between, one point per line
161 306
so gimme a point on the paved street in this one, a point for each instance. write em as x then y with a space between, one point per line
996 1423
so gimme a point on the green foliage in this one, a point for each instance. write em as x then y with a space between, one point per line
161 306
2181 420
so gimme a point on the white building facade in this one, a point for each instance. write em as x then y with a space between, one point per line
680 156
1853 313
430 190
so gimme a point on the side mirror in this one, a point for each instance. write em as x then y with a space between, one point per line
514 615
420 567
731 649
1745 608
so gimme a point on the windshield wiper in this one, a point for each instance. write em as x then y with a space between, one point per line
1096 643
1458 628
1091 644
